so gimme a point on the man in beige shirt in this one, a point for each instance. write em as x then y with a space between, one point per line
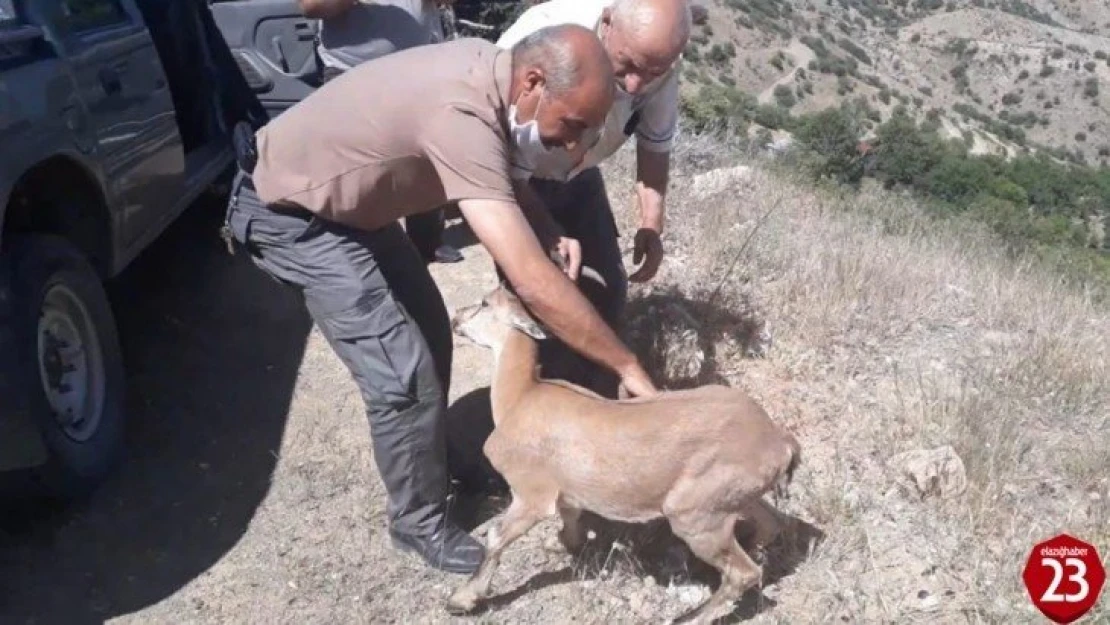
397 136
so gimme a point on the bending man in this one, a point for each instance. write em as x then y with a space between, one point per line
398 136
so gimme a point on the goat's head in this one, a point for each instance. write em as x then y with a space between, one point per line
489 322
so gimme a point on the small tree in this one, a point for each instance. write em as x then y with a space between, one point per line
831 140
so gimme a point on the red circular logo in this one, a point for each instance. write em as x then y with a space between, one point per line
1064 577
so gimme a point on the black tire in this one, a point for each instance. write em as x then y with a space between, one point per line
78 462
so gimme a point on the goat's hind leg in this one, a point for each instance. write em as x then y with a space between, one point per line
712 540
518 519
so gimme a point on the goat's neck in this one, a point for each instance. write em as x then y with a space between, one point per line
514 372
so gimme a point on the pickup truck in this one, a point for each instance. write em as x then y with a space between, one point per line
115 116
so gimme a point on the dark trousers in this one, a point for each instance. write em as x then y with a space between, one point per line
426 232
581 207
374 301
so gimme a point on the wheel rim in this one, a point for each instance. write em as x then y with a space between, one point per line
71 364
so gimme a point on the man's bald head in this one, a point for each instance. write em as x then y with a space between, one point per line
644 38
565 68
567 54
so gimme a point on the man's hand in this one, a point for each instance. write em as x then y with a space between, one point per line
649 250
652 170
555 301
635 382
570 255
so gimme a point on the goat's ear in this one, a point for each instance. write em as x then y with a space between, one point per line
528 326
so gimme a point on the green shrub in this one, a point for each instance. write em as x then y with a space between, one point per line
852 48
830 139
784 96
771 116
1090 89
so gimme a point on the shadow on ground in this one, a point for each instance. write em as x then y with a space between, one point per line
212 348
686 340
652 549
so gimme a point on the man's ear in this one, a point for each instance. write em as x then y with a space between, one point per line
607 16
534 78
528 326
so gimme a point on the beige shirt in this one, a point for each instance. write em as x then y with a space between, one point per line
398 135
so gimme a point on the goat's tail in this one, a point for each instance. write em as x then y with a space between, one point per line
787 477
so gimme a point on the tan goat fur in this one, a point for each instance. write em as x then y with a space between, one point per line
701 458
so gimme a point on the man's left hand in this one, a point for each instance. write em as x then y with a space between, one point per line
648 248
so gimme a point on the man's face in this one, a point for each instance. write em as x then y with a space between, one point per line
636 64
572 121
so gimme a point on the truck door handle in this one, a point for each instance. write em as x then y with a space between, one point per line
304 31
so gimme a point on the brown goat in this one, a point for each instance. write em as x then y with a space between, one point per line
701 458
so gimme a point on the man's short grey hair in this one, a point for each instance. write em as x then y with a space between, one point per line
635 17
553 53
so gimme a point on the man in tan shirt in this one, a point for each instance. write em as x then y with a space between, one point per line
400 135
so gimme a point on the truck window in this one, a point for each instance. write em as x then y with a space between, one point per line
85 15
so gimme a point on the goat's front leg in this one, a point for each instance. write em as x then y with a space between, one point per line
518 519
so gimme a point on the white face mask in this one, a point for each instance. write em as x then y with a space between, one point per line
555 162
526 137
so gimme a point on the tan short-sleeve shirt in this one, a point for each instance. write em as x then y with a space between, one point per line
399 135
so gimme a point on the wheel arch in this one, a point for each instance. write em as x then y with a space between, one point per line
64 196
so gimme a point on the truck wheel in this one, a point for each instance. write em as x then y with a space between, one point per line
75 378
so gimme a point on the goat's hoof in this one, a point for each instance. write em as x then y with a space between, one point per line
464 601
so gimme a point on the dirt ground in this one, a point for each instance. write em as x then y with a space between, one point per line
249 494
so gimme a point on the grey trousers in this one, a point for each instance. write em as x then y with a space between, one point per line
374 301
581 207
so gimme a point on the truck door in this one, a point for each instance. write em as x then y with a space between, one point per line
274 46
128 107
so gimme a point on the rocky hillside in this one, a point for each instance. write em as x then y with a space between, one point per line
1006 76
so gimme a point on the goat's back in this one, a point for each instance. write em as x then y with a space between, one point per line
622 459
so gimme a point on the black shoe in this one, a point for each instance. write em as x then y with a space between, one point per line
448 549
447 254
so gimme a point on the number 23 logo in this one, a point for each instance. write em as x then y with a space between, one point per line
1051 594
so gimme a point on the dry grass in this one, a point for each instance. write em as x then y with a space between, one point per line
894 332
